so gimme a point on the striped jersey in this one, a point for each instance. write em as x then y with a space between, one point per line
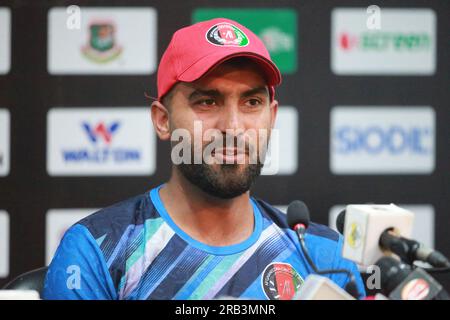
134 250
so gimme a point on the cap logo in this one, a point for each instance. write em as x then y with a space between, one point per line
226 35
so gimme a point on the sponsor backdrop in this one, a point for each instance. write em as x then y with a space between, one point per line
364 110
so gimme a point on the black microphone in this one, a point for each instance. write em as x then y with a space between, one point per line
298 220
401 282
298 217
408 250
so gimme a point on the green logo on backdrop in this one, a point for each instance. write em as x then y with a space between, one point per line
277 28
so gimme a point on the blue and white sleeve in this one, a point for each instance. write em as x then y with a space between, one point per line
78 270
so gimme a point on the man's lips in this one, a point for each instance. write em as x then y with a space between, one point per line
229 151
229 155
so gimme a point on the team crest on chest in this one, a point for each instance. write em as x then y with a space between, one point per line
280 281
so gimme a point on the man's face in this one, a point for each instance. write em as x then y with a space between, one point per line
232 100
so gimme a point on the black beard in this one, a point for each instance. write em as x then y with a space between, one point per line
226 183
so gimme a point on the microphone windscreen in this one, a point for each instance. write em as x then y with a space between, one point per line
392 273
297 212
340 222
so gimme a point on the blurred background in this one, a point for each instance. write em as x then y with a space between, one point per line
364 110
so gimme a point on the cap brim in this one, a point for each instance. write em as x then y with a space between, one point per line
207 63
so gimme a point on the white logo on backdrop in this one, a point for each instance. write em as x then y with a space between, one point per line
389 41
382 140
4 142
108 40
5 40
4 244
282 158
106 141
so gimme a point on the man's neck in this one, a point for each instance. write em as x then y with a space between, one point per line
208 219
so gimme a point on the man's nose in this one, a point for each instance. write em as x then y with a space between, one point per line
230 118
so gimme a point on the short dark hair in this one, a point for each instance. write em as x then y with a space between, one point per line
166 99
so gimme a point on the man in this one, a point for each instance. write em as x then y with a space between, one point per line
200 235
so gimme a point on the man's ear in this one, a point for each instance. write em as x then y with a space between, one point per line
273 112
160 119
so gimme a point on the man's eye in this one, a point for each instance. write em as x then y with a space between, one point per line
207 102
253 102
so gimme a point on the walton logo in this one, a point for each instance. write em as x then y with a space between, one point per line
101 153
384 41
101 131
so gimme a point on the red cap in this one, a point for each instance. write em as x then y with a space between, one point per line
196 49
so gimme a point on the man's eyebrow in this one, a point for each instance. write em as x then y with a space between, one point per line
216 93
256 90
200 92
